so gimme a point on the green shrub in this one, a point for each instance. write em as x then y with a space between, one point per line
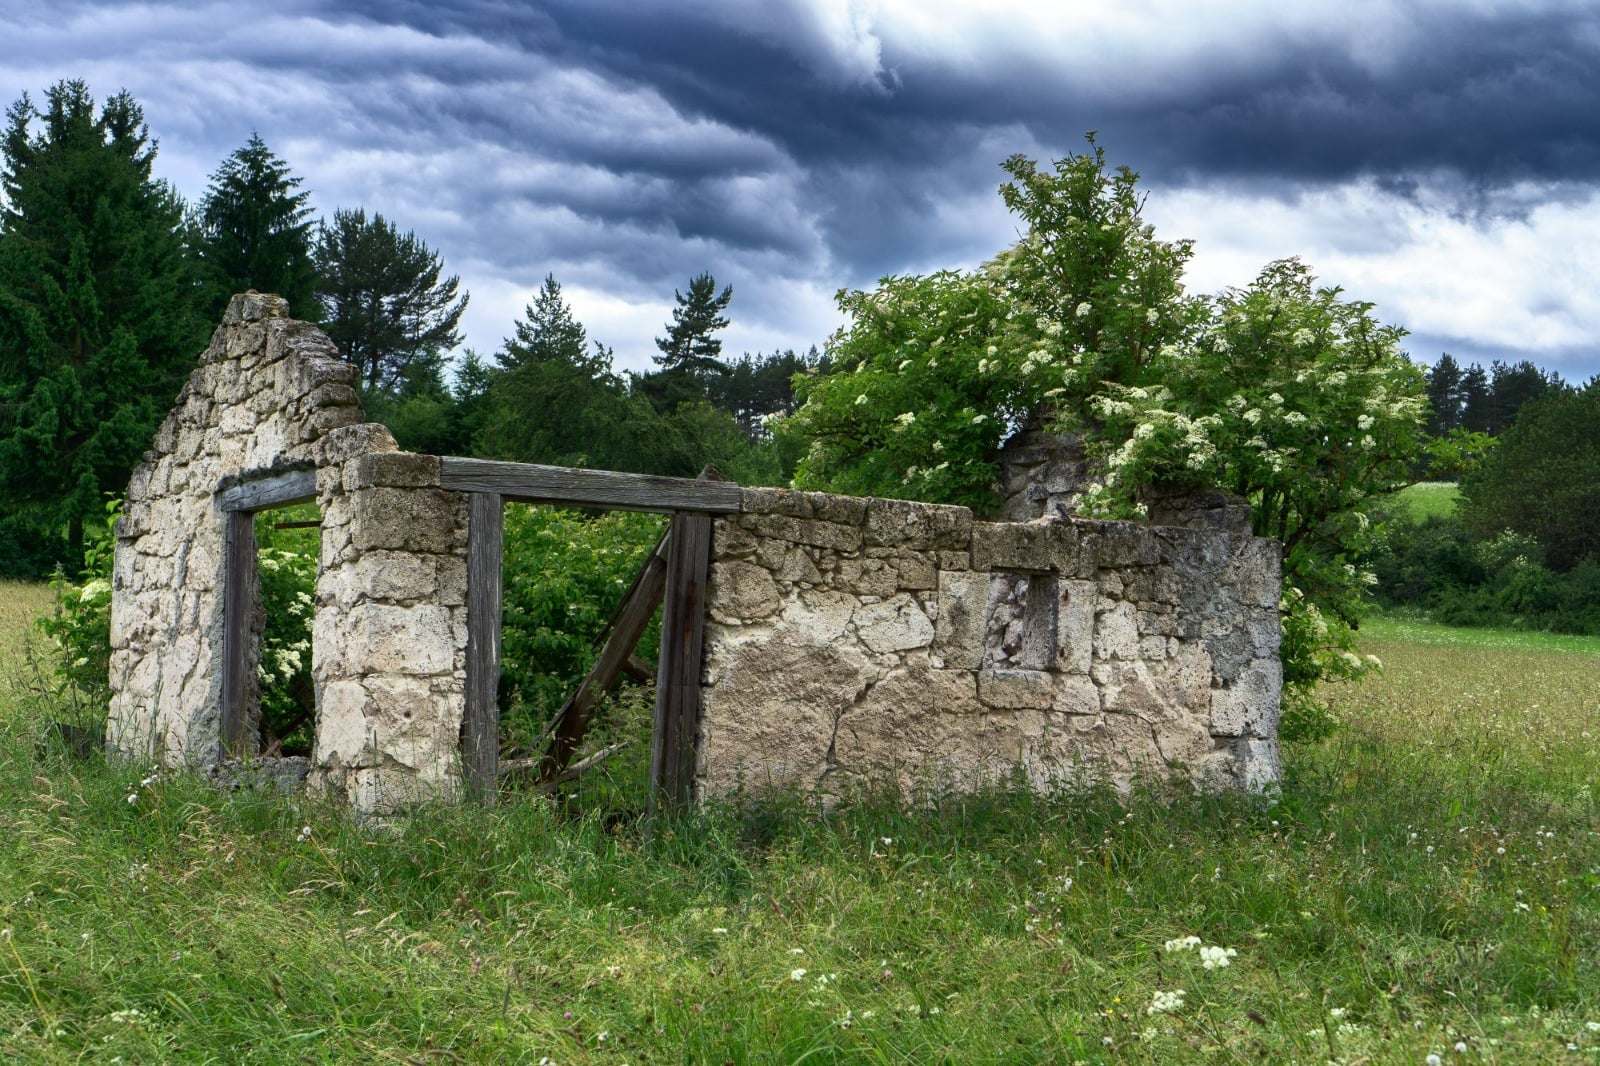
81 621
564 574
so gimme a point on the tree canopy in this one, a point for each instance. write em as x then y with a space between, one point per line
256 231
1543 480
382 300
99 306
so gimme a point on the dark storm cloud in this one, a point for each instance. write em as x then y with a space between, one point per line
801 145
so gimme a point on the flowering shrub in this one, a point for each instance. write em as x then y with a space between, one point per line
286 561
81 621
1282 392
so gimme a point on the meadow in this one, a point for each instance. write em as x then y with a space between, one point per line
1427 885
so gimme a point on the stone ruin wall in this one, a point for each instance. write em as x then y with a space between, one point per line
270 395
874 643
850 642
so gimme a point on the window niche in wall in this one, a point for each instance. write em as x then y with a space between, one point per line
1021 625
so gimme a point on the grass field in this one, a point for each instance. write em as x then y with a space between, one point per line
1427 499
1429 881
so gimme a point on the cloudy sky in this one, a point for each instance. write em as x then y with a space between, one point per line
1440 158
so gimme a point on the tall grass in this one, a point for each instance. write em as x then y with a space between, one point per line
1430 877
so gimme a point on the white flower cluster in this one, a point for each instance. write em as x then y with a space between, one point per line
1212 957
1166 1002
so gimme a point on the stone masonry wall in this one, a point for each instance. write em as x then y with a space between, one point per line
876 643
270 395
851 642
390 635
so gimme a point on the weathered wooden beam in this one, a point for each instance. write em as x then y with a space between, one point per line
639 670
609 489
683 619
628 623
480 728
240 590
278 490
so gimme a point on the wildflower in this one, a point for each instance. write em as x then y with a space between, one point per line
861 399
797 974
906 419
133 798
1083 309
719 930
1214 958
1433 1060
886 841
1166 1002
1461 1047
5 934
1183 943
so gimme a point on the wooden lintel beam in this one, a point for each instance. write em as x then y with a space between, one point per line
609 489
278 490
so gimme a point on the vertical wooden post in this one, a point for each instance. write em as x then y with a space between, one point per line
480 728
683 621
239 593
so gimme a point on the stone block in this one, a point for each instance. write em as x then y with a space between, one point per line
1016 689
729 540
865 577
1250 705
914 571
831 535
1075 694
896 624
769 719
917 526
1075 612
1124 544
817 617
1116 631
958 635
742 592
396 576
419 520
405 470
383 638
787 562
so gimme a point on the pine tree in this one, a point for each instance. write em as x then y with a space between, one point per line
547 332
99 308
256 231
382 301
689 346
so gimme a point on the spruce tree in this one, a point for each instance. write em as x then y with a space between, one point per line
99 310
382 300
547 332
256 231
